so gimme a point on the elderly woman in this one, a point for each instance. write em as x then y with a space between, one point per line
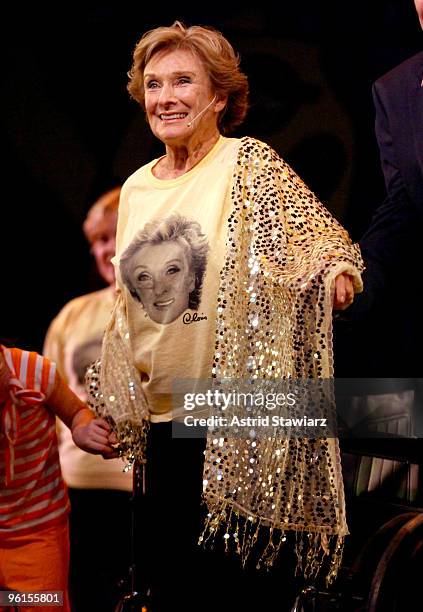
277 263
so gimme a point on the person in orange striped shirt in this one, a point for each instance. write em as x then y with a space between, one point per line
34 505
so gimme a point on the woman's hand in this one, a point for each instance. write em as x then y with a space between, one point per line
344 291
93 435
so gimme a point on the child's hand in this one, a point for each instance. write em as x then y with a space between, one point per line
93 435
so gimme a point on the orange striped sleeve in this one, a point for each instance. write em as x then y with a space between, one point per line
45 376
29 379
34 371
48 376
16 358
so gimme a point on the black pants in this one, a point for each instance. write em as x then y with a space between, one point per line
100 536
183 575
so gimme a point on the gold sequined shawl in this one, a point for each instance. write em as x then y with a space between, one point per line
274 320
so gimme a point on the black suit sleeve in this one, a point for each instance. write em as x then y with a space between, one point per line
383 130
385 243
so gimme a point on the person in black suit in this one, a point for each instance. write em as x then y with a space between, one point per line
385 324
387 316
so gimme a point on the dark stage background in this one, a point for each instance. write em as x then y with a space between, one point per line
70 130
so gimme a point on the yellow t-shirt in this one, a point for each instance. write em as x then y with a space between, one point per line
171 242
73 342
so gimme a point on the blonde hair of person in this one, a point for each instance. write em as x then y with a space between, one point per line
217 56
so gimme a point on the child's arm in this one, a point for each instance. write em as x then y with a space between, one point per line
89 433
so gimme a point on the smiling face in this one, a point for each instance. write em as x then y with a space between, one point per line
163 280
177 88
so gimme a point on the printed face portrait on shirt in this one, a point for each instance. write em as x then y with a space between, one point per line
78 361
163 279
163 267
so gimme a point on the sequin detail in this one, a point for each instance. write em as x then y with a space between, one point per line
274 320
114 390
